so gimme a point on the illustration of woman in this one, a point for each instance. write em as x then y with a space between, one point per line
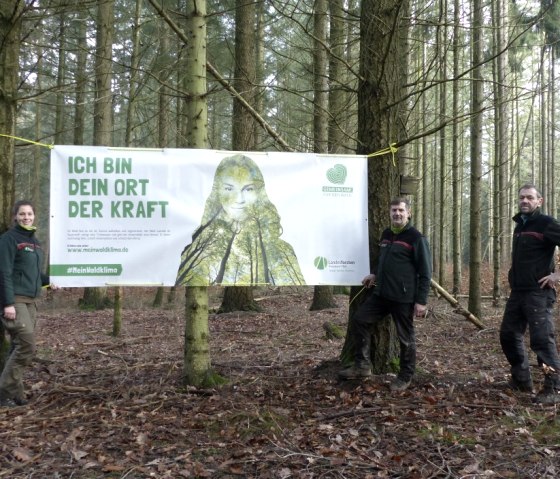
238 241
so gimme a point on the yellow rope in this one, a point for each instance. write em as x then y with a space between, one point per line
390 149
356 295
28 141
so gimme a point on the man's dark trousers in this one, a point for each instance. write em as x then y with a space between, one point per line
533 309
373 310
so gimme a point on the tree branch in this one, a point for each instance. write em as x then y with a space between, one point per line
222 81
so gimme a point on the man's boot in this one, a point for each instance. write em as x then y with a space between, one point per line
550 393
355 372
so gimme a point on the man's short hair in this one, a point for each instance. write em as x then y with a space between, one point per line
530 186
400 199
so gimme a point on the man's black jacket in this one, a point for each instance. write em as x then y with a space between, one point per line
404 269
532 255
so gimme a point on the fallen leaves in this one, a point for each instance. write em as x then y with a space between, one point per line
115 406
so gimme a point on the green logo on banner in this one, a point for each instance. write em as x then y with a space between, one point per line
337 174
86 269
320 262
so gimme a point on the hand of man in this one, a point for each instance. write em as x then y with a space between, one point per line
369 281
549 281
10 313
420 310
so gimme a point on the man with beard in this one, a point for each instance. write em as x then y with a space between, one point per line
533 292
402 279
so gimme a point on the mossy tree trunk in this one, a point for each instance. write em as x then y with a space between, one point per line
196 364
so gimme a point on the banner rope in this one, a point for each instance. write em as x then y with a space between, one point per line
28 141
390 149
356 295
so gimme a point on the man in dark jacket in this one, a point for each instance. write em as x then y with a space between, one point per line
533 292
402 279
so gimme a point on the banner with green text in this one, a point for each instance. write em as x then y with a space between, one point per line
147 217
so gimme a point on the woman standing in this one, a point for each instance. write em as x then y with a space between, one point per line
21 280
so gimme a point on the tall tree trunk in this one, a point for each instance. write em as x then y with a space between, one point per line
118 291
81 83
337 82
543 163
502 151
196 364
163 126
11 12
243 132
60 77
35 183
476 162
457 191
337 85
382 77
129 139
552 200
323 297
96 298
442 53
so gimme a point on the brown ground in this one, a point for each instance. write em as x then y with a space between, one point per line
105 407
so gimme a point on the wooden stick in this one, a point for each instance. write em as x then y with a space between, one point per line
460 309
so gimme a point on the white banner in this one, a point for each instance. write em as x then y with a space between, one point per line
123 216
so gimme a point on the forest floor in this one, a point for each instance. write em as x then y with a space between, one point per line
113 407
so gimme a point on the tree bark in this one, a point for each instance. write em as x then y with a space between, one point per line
96 298
11 12
323 297
196 365
456 163
243 124
476 163
383 32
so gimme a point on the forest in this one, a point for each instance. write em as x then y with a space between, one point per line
454 104
466 95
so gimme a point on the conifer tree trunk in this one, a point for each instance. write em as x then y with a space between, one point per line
196 364
501 149
241 298
81 84
163 127
11 12
442 153
476 163
96 298
323 297
382 77
456 164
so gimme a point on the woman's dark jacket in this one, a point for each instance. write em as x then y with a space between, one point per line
21 259
404 269
535 238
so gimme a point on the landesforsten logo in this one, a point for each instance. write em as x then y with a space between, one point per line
320 262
